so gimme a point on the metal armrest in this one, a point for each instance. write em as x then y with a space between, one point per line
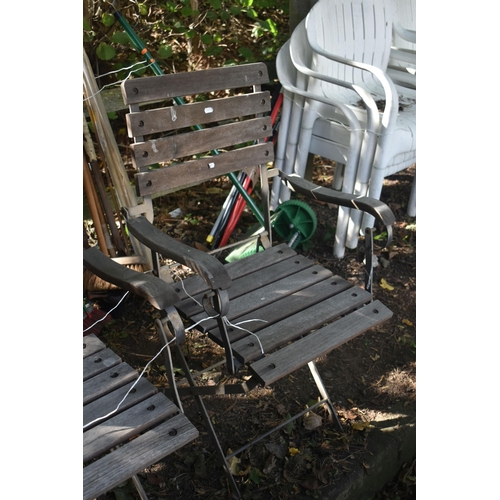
377 208
206 265
158 292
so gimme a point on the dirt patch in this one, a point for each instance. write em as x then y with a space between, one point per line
365 376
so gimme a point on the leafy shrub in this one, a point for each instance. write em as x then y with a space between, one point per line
185 34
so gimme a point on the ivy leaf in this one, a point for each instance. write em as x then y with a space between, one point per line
120 37
164 52
246 53
206 39
105 52
108 19
216 4
254 475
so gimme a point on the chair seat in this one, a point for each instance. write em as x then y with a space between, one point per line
280 301
146 428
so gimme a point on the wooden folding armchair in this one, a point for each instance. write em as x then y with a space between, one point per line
128 425
274 311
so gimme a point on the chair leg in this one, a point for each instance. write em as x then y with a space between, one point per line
139 488
412 202
324 394
210 428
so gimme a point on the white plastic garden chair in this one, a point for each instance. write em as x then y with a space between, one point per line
403 61
341 150
348 30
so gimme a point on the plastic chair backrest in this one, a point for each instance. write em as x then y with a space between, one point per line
404 19
360 30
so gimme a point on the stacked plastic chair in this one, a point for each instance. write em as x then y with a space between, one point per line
350 42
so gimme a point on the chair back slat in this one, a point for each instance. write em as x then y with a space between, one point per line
200 141
183 175
197 113
143 90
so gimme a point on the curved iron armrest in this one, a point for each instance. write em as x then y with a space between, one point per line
378 209
158 292
207 266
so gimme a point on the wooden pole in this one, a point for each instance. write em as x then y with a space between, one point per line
87 186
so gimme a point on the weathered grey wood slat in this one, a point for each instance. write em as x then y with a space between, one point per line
101 407
195 285
272 313
300 323
142 90
91 345
99 362
128 424
198 113
108 472
174 177
290 358
270 293
199 141
254 281
107 381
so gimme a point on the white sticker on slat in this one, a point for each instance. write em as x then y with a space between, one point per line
209 110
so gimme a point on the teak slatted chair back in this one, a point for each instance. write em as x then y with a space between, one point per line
294 310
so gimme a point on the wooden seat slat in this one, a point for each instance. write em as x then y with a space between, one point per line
195 284
107 381
300 323
270 293
109 471
119 428
101 407
276 311
99 362
91 345
288 359
251 282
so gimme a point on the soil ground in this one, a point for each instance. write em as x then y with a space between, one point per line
365 376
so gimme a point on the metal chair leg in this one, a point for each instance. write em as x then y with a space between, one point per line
324 394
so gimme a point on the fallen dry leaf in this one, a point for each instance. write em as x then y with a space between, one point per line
386 285
312 421
360 426
407 322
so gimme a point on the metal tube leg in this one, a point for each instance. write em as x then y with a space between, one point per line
210 427
324 394
139 488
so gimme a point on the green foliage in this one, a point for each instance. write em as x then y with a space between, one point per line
183 35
